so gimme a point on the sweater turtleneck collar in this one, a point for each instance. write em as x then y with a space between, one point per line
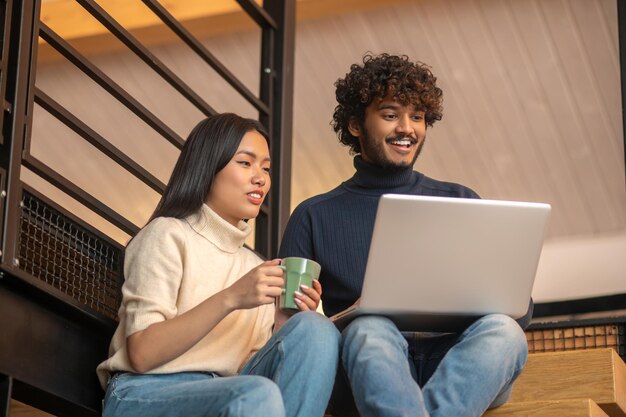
218 231
372 176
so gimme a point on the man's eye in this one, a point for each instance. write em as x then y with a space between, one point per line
389 116
418 117
267 170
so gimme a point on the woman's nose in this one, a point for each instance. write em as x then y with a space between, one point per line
259 180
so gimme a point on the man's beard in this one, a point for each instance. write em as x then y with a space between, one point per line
376 154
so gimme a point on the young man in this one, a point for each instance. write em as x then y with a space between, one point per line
384 108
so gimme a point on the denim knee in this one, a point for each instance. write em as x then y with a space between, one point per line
316 331
372 331
506 335
371 325
258 396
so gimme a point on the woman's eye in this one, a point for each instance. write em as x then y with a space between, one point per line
244 163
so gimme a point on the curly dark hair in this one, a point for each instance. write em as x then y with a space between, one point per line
381 76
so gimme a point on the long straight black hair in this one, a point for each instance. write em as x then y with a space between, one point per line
207 150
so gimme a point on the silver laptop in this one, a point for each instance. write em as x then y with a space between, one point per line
437 264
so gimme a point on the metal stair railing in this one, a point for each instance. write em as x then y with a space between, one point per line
60 277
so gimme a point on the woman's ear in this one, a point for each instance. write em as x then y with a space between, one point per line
354 127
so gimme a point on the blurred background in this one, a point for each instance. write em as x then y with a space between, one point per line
532 108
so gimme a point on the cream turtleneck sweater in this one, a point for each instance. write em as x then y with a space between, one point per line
171 266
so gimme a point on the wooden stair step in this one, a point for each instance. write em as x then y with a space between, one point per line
563 408
17 409
597 374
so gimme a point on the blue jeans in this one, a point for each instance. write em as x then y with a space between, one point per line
292 375
461 375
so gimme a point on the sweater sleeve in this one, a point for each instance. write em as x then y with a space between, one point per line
153 270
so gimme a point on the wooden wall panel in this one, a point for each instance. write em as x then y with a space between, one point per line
531 96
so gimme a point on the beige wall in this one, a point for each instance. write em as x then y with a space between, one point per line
532 112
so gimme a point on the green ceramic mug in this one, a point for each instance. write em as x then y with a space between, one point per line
298 271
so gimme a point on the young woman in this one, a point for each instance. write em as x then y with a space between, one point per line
198 333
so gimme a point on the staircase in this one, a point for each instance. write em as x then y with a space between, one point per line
590 383
576 383
563 408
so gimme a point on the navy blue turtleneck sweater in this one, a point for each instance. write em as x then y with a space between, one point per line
335 228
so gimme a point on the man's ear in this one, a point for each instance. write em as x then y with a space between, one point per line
354 127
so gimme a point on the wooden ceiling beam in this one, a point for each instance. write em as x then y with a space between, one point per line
71 21
204 19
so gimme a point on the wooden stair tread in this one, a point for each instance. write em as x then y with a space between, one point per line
589 383
561 408
19 409
598 374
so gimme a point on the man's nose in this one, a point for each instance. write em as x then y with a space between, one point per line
404 125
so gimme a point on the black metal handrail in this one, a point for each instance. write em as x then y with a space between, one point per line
78 194
97 141
65 49
59 274
258 14
271 70
5 18
276 39
204 53
82 63
146 56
